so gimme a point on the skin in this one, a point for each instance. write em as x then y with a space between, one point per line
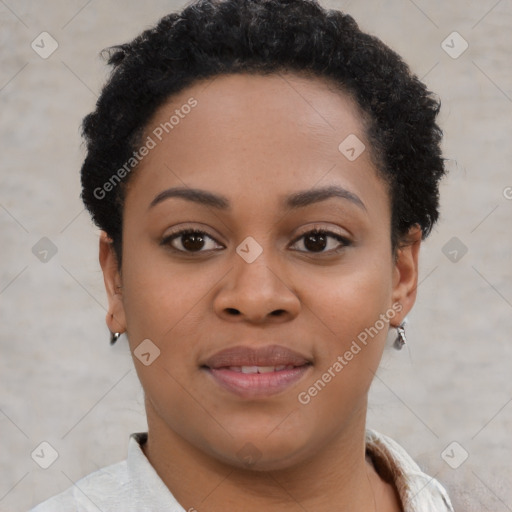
255 140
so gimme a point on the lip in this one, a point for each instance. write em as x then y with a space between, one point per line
225 368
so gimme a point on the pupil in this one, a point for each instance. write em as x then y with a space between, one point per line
315 242
192 241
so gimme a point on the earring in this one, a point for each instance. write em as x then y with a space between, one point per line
400 340
114 336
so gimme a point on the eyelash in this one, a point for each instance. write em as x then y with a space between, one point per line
188 231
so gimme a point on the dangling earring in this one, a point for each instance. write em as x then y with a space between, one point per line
114 336
400 340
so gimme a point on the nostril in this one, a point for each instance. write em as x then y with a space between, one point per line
277 312
233 311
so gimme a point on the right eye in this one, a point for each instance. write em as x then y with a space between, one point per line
191 241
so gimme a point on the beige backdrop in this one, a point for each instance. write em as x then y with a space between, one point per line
62 383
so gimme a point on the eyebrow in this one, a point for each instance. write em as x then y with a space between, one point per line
294 201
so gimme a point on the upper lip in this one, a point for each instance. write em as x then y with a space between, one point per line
271 355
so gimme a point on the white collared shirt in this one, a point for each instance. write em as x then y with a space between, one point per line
133 485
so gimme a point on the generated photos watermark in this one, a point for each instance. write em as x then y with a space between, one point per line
157 135
304 397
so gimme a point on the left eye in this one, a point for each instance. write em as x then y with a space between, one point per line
319 240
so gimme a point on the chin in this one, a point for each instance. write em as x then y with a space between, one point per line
258 453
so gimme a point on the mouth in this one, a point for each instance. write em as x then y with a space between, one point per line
256 373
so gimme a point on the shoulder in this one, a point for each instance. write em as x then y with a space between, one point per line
88 494
131 486
418 491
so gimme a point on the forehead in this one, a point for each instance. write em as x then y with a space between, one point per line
257 134
275 105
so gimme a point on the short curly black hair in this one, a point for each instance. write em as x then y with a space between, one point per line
214 37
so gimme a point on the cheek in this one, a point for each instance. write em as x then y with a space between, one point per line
351 320
351 299
168 308
158 297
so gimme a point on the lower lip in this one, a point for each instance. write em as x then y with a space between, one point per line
257 385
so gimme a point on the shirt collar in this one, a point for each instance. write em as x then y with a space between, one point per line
418 491
148 489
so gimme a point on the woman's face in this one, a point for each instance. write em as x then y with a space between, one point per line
263 335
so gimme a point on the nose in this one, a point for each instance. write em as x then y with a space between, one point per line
256 293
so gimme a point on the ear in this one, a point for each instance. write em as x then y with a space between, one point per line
405 278
116 319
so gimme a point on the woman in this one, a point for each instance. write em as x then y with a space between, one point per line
263 174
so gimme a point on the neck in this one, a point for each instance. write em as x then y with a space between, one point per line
339 473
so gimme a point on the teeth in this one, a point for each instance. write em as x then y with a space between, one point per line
266 369
260 369
249 369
